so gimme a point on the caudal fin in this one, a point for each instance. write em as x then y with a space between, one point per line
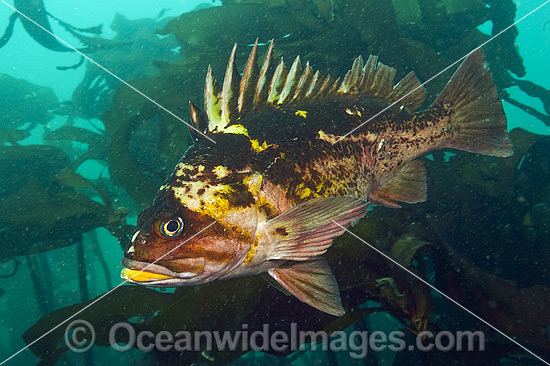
477 110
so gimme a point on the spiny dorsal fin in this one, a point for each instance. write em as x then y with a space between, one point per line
230 90
352 79
409 92
314 86
278 86
249 81
199 120
291 80
325 85
377 80
334 88
266 73
277 82
369 70
303 83
383 81
212 102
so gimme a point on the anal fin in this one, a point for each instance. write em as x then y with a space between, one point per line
408 186
273 283
311 282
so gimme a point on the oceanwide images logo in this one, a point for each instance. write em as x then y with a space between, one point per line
80 337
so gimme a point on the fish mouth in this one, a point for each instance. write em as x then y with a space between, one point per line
161 271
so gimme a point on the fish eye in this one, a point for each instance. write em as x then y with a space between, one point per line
171 227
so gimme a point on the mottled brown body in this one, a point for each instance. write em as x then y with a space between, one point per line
301 162
267 196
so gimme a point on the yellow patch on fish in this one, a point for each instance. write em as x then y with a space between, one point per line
251 251
181 168
303 192
131 274
236 129
211 201
254 184
257 147
319 187
220 171
301 113
327 137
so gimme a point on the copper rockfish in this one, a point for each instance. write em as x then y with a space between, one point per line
265 197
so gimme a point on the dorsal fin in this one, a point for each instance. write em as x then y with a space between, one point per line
277 82
230 90
314 86
199 120
278 86
212 102
303 83
353 78
249 81
409 92
291 81
264 78
325 86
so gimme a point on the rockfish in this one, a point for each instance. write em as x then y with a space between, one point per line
284 169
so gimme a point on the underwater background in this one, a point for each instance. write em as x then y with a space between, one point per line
81 154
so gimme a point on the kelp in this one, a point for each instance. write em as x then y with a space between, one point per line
16 264
75 214
37 191
97 143
41 274
532 184
25 104
235 23
37 25
13 135
535 91
18 163
9 30
516 311
137 52
123 122
36 11
378 28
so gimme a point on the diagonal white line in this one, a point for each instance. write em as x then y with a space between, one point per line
444 295
109 72
441 72
102 296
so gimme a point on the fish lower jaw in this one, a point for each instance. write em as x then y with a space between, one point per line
152 274
141 276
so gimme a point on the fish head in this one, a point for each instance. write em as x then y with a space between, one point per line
197 230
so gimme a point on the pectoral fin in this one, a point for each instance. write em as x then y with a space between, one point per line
307 230
312 282
408 186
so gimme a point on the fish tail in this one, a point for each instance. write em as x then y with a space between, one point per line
476 109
